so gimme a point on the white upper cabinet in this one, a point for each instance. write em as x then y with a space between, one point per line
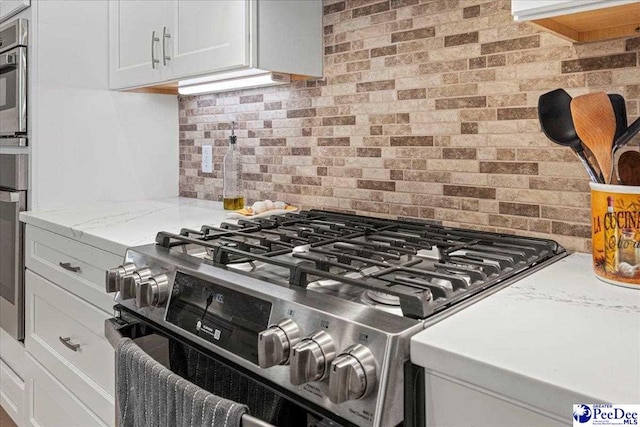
209 35
136 41
539 9
8 8
196 38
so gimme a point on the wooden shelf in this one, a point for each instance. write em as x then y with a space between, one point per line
600 24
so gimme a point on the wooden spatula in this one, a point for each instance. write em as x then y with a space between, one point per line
595 124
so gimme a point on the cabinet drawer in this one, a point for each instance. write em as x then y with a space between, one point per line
12 353
51 404
12 393
77 267
53 316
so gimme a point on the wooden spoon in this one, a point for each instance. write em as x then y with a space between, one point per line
629 168
595 124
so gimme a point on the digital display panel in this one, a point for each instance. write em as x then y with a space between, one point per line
219 314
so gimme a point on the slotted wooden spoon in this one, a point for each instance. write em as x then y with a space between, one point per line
595 123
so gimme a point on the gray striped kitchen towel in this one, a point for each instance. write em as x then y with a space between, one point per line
149 395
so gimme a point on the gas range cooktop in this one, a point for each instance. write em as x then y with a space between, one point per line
408 268
321 304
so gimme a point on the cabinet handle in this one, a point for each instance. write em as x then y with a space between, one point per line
66 342
165 36
67 266
154 39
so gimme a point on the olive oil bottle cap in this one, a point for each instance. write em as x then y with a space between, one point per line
232 138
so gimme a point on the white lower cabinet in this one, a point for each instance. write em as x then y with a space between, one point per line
69 374
12 369
51 404
453 403
65 334
71 265
12 393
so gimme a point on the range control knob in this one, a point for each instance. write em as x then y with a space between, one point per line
353 374
116 275
311 357
274 344
130 284
158 290
152 292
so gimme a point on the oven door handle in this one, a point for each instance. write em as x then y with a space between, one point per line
8 60
10 196
116 329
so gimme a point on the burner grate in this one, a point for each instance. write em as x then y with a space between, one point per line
427 267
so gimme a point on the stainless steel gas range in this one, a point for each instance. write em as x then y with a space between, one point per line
318 307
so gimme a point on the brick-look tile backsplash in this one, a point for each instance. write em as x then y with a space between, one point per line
427 109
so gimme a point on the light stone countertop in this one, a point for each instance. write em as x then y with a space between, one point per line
556 338
115 226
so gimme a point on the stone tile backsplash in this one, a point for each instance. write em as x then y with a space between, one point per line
427 109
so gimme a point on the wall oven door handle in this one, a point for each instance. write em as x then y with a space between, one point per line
8 61
10 196
18 141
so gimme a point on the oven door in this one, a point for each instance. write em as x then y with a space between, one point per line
13 93
11 263
267 405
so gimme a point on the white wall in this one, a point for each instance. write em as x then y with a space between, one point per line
89 143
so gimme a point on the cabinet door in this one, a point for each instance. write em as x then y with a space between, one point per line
210 36
51 404
8 8
132 27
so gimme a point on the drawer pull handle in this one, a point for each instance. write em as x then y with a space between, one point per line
66 342
67 266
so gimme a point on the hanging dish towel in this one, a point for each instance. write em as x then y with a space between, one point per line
149 395
221 380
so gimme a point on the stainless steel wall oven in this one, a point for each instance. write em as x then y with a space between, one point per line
13 83
13 173
13 200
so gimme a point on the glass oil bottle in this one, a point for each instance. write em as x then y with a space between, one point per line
232 193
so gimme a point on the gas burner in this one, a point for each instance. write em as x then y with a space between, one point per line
394 308
386 299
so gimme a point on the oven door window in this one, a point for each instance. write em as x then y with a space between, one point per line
8 88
